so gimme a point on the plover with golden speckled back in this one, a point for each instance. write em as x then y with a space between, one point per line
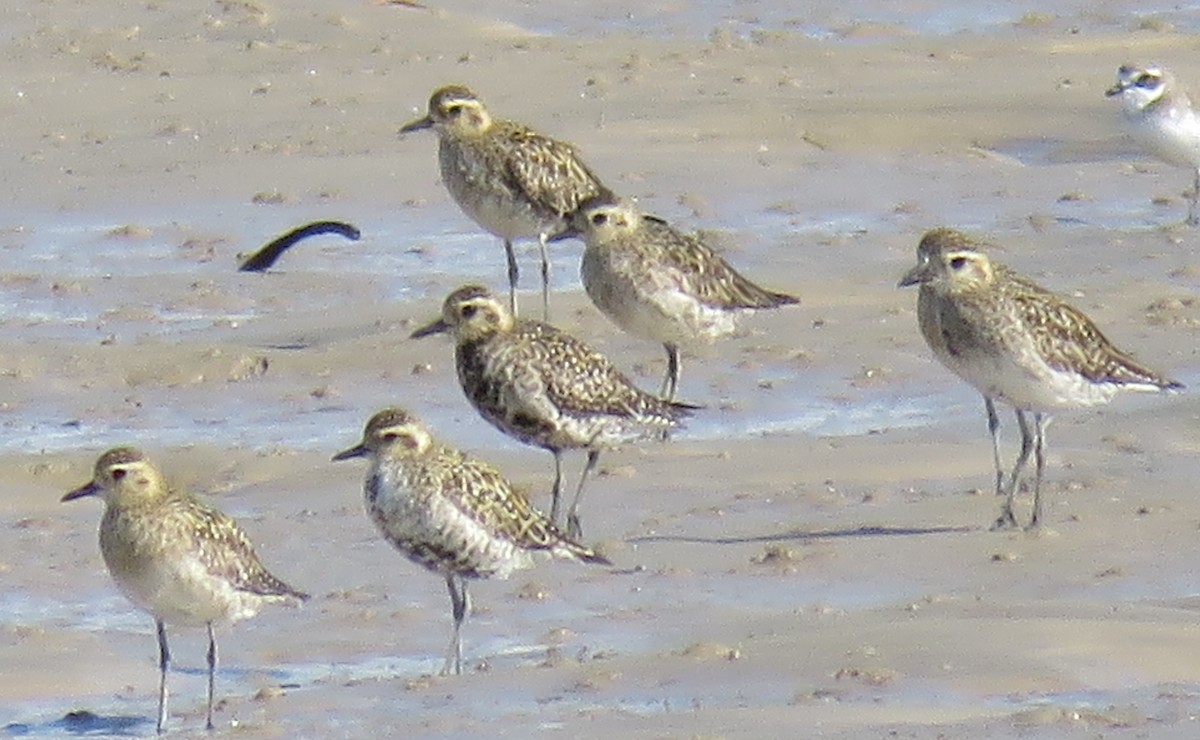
450 513
1016 342
545 388
658 283
511 180
182 561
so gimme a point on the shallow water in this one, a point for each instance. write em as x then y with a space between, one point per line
86 278
66 273
874 553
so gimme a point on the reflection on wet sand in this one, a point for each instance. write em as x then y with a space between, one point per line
804 555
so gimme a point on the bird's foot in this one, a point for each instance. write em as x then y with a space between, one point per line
1005 521
574 528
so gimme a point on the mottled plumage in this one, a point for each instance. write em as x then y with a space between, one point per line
511 180
658 283
183 562
1016 342
1159 116
450 513
544 387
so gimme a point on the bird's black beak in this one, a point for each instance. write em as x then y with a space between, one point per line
87 489
436 327
570 232
357 450
418 125
915 276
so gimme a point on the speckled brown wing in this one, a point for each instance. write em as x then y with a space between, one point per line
514 400
1071 342
226 550
548 172
585 382
482 493
693 266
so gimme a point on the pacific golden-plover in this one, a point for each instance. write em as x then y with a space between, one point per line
183 562
450 513
1015 342
545 388
511 180
658 283
1159 116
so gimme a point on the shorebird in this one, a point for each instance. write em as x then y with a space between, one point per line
1015 342
658 283
545 388
1160 117
454 515
511 180
181 561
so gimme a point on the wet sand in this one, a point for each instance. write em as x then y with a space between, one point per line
810 558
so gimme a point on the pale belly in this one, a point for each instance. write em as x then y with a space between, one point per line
1032 386
184 593
434 532
659 313
490 203
1175 141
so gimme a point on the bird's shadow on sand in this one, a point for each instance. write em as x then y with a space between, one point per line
83 723
807 536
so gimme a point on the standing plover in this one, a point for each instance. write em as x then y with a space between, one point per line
452 514
658 283
511 180
1016 342
545 388
1159 116
183 562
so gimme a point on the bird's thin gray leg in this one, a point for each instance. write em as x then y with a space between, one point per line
513 273
1040 421
556 491
994 428
574 528
1192 218
1007 520
459 603
212 672
164 663
545 276
671 379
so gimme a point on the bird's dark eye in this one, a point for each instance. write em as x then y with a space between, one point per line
119 473
1147 80
454 111
468 311
958 263
599 219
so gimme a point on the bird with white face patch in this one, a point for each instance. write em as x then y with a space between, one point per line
1015 342
544 387
182 561
659 283
451 514
511 180
1159 116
